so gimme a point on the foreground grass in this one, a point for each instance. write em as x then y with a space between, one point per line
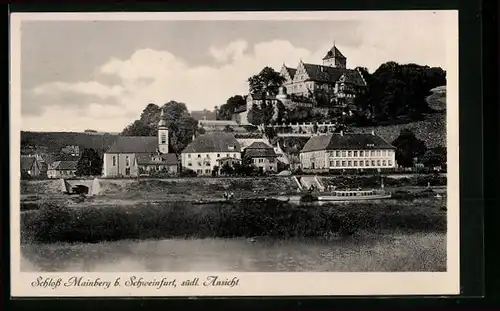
362 252
247 218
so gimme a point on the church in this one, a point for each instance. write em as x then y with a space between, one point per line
308 84
134 156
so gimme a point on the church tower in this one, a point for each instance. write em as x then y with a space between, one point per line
334 58
162 135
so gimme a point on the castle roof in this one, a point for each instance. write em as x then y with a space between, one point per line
134 144
334 53
346 141
213 142
291 71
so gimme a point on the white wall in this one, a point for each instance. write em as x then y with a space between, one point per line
349 159
110 170
199 161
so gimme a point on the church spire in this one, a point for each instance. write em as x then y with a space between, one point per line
162 122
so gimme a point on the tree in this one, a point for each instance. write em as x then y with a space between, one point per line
270 132
228 129
408 147
435 157
315 127
255 115
266 81
89 164
226 169
137 128
226 111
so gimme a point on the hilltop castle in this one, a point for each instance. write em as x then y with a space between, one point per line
331 82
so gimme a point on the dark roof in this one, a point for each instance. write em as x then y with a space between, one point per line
259 145
334 53
346 141
213 142
166 159
330 74
27 163
291 71
203 115
134 144
259 149
64 165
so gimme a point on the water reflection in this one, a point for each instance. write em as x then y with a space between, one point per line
367 253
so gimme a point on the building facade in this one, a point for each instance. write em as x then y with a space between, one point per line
209 151
30 166
132 156
347 151
62 169
263 157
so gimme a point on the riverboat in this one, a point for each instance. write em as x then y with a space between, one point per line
353 195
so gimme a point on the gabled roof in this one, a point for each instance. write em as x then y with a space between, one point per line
259 150
334 53
213 142
290 71
27 163
64 165
346 141
328 74
134 144
166 159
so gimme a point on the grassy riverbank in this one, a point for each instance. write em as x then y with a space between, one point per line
54 222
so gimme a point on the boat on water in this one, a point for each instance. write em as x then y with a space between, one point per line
354 195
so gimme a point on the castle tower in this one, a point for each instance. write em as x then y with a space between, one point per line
334 58
162 135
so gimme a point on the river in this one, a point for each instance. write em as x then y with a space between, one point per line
362 252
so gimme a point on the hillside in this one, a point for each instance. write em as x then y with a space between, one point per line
432 130
57 140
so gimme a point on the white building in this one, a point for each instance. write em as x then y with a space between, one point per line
131 156
347 151
210 150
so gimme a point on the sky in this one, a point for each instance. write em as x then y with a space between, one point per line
99 74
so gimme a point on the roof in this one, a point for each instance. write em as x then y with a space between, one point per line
166 159
213 142
27 163
291 71
292 144
64 165
134 144
346 141
328 74
259 150
334 53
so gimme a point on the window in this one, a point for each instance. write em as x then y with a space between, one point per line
199 156
199 171
361 163
355 163
373 162
127 161
261 160
349 163
332 163
355 153
337 163
114 160
163 138
190 164
189 156
349 153
127 171
338 153
378 162
390 162
343 163
384 163
208 156
361 154
367 163
343 153
218 155
207 164
227 155
208 171
372 153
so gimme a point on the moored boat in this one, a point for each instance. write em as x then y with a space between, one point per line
353 195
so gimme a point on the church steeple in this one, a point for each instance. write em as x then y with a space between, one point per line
162 134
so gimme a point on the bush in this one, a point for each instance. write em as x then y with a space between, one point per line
244 218
188 173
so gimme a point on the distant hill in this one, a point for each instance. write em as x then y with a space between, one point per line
203 115
54 141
